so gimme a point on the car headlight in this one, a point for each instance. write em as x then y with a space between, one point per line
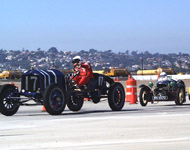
172 84
150 84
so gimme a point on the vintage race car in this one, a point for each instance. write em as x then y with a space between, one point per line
55 90
165 90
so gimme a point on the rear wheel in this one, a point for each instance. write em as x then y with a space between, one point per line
116 96
8 105
180 97
143 96
54 99
75 103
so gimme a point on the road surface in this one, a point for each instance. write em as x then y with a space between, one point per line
95 127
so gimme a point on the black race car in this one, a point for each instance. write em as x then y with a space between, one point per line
55 90
165 90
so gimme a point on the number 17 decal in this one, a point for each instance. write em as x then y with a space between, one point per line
34 79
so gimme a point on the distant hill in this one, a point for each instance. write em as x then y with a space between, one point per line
53 58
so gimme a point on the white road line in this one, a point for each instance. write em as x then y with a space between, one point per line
97 143
116 116
120 117
11 124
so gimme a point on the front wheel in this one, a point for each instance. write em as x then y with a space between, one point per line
54 99
180 97
75 103
116 96
143 96
8 105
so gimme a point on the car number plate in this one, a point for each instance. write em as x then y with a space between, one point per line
160 97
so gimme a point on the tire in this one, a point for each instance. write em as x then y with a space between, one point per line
180 97
75 103
96 99
142 99
54 99
9 107
116 96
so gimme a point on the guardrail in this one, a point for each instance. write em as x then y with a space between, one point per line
154 77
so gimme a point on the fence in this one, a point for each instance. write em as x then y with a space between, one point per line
154 77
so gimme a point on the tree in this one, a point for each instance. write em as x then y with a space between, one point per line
53 50
127 52
134 53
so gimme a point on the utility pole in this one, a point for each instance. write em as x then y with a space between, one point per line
142 64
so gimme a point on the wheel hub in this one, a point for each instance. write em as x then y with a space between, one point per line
58 99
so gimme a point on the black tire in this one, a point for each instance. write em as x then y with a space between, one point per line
9 107
75 103
142 99
54 99
116 96
96 99
180 97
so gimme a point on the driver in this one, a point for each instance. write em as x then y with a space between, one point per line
163 76
83 71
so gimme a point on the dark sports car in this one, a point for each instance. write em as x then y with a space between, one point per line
165 90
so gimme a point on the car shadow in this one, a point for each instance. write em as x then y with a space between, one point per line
176 105
77 113
97 112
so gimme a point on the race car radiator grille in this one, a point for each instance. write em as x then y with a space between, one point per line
30 83
161 85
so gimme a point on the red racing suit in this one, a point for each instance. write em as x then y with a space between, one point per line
85 74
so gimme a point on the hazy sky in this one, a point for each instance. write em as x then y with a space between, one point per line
73 25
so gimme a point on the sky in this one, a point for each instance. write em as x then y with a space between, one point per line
72 25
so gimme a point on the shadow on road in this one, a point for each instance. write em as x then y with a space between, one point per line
98 111
82 112
177 106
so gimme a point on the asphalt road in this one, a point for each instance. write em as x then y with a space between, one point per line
95 127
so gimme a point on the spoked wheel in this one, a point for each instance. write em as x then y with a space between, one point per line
143 97
54 99
8 105
116 96
180 97
75 103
